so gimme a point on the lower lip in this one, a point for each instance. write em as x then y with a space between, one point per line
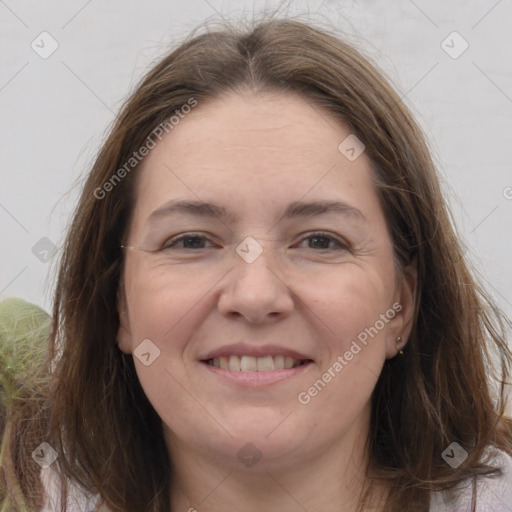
255 379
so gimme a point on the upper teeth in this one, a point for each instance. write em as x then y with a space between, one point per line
253 364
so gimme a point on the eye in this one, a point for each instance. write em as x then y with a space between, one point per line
187 241
324 242
195 241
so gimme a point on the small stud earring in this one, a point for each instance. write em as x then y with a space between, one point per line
398 340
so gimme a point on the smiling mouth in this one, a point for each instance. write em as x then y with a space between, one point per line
255 364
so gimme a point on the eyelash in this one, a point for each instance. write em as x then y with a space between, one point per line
171 243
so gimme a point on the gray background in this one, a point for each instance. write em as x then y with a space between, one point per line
55 110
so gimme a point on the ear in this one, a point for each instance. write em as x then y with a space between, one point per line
401 324
124 338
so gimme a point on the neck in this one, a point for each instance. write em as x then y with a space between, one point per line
331 480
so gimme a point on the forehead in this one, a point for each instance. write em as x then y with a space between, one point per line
268 125
253 150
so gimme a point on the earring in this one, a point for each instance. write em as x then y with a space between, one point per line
398 340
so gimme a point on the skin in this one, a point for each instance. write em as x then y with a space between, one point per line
254 154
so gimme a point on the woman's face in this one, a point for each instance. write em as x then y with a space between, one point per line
291 265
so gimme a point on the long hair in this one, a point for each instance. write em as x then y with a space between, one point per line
447 387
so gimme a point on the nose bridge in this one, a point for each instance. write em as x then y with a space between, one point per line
250 249
255 263
255 289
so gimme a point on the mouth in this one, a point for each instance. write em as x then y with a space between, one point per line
246 363
254 372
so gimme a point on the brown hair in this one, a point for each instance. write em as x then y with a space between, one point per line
109 437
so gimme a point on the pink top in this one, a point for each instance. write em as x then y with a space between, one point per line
493 494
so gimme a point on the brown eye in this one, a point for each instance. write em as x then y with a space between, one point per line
324 241
187 241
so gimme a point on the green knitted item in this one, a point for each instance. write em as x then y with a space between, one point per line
24 330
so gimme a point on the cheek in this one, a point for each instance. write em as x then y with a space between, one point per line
353 336
161 300
167 389
164 309
347 301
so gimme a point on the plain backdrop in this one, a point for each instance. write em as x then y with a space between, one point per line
451 62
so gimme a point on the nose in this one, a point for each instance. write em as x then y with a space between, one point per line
255 291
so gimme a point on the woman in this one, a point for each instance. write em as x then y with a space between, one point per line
262 304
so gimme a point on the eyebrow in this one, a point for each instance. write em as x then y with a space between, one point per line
293 210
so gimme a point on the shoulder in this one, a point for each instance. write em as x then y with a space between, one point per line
494 494
77 498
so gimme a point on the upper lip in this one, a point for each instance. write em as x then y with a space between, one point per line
247 349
